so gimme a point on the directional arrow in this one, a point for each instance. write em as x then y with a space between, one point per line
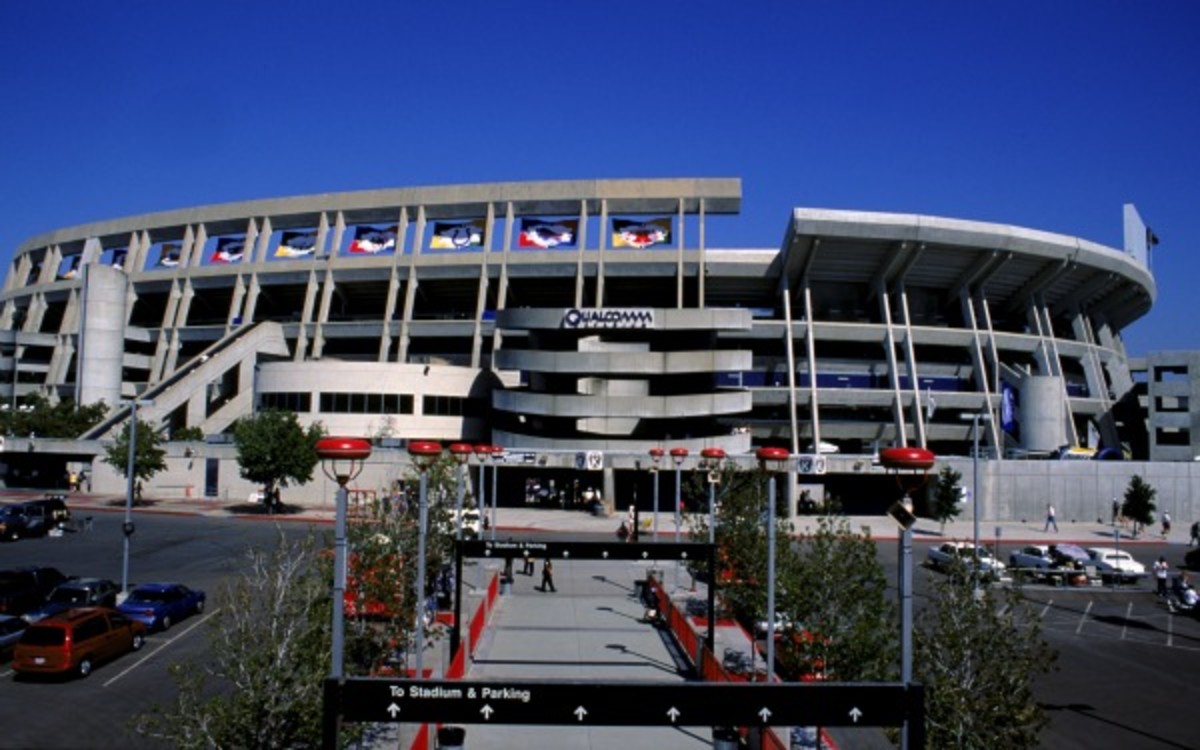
393 710
486 711
673 713
684 555
487 553
764 714
855 714
580 713
604 554
645 554
566 553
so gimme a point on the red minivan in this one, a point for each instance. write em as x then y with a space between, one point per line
76 640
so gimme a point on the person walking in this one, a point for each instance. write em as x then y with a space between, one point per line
527 564
1166 521
1160 576
548 576
1195 538
1050 519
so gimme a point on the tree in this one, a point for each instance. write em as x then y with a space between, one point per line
63 419
149 457
977 659
273 450
261 684
946 495
1139 503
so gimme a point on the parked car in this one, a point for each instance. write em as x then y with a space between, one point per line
472 523
947 555
1070 555
1114 563
77 592
23 589
14 523
54 505
158 606
76 641
11 629
1032 557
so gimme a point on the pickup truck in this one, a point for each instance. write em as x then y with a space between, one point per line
24 589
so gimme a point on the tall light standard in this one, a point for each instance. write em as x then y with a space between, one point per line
497 455
919 461
772 461
678 456
131 478
462 453
341 459
482 451
976 418
710 459
423 453
656 455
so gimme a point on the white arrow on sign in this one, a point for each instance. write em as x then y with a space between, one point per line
566 553
673 714
645 554
604 554
684 555
580 713
855 714
393 710
486 711
764 714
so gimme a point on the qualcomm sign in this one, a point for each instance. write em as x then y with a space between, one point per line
612 317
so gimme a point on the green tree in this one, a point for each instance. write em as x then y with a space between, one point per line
978 659
149 457
1139 503
274 450
260 684
946 494
63 419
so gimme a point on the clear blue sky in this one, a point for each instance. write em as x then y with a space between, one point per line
1045 114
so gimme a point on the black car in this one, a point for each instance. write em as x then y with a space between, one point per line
14 523
23 589
53 507
76 592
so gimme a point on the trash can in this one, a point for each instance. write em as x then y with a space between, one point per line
451 738
725 738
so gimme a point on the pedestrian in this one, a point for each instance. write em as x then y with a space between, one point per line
548 576
632 522
1160 576
1116 511
1050 519
527 564
1195 539
1166 521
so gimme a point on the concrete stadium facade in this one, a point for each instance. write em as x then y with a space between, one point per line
570 317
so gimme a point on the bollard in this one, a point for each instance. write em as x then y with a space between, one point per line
451 738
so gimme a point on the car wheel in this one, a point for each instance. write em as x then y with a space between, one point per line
138 641
85 666
166 622
199 606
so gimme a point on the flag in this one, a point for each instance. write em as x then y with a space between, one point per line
229 250
72 269
455 235
168 256
118 257
374 240
548 233
1151 237
641 234
297 244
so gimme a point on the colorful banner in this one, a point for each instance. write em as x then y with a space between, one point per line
1010 406
297 244
229 250
547 233
455 235
168 255
374 240
641 234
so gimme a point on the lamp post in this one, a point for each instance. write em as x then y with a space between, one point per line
423 453
131 478
976 418
912 460
462 453
678 456
482 451
656 455
772 461
496 454
341 459
710 459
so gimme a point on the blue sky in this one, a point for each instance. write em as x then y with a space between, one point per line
1048 115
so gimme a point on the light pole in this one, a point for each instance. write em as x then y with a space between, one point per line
482 451
772 461
461 453
656 455
976 418
710 459
131 478
341 459
678 456
496 454
423 453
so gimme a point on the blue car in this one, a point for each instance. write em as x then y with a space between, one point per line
160 605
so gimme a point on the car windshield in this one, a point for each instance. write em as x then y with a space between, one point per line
42 636
151 595
69 596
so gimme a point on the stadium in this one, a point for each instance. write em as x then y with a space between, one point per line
577 325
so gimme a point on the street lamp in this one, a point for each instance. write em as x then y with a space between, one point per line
341 459
496 454
710 459
975 419
423 453
772 461
656 455
482 451
678 456
462 453
131 478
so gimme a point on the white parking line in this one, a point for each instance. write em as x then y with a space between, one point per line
1125 624
1170 630
1046 609
154 653
1083 618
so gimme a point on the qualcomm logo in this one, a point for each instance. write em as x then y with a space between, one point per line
609 318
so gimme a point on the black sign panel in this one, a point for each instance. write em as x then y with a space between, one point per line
616 550
629 704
